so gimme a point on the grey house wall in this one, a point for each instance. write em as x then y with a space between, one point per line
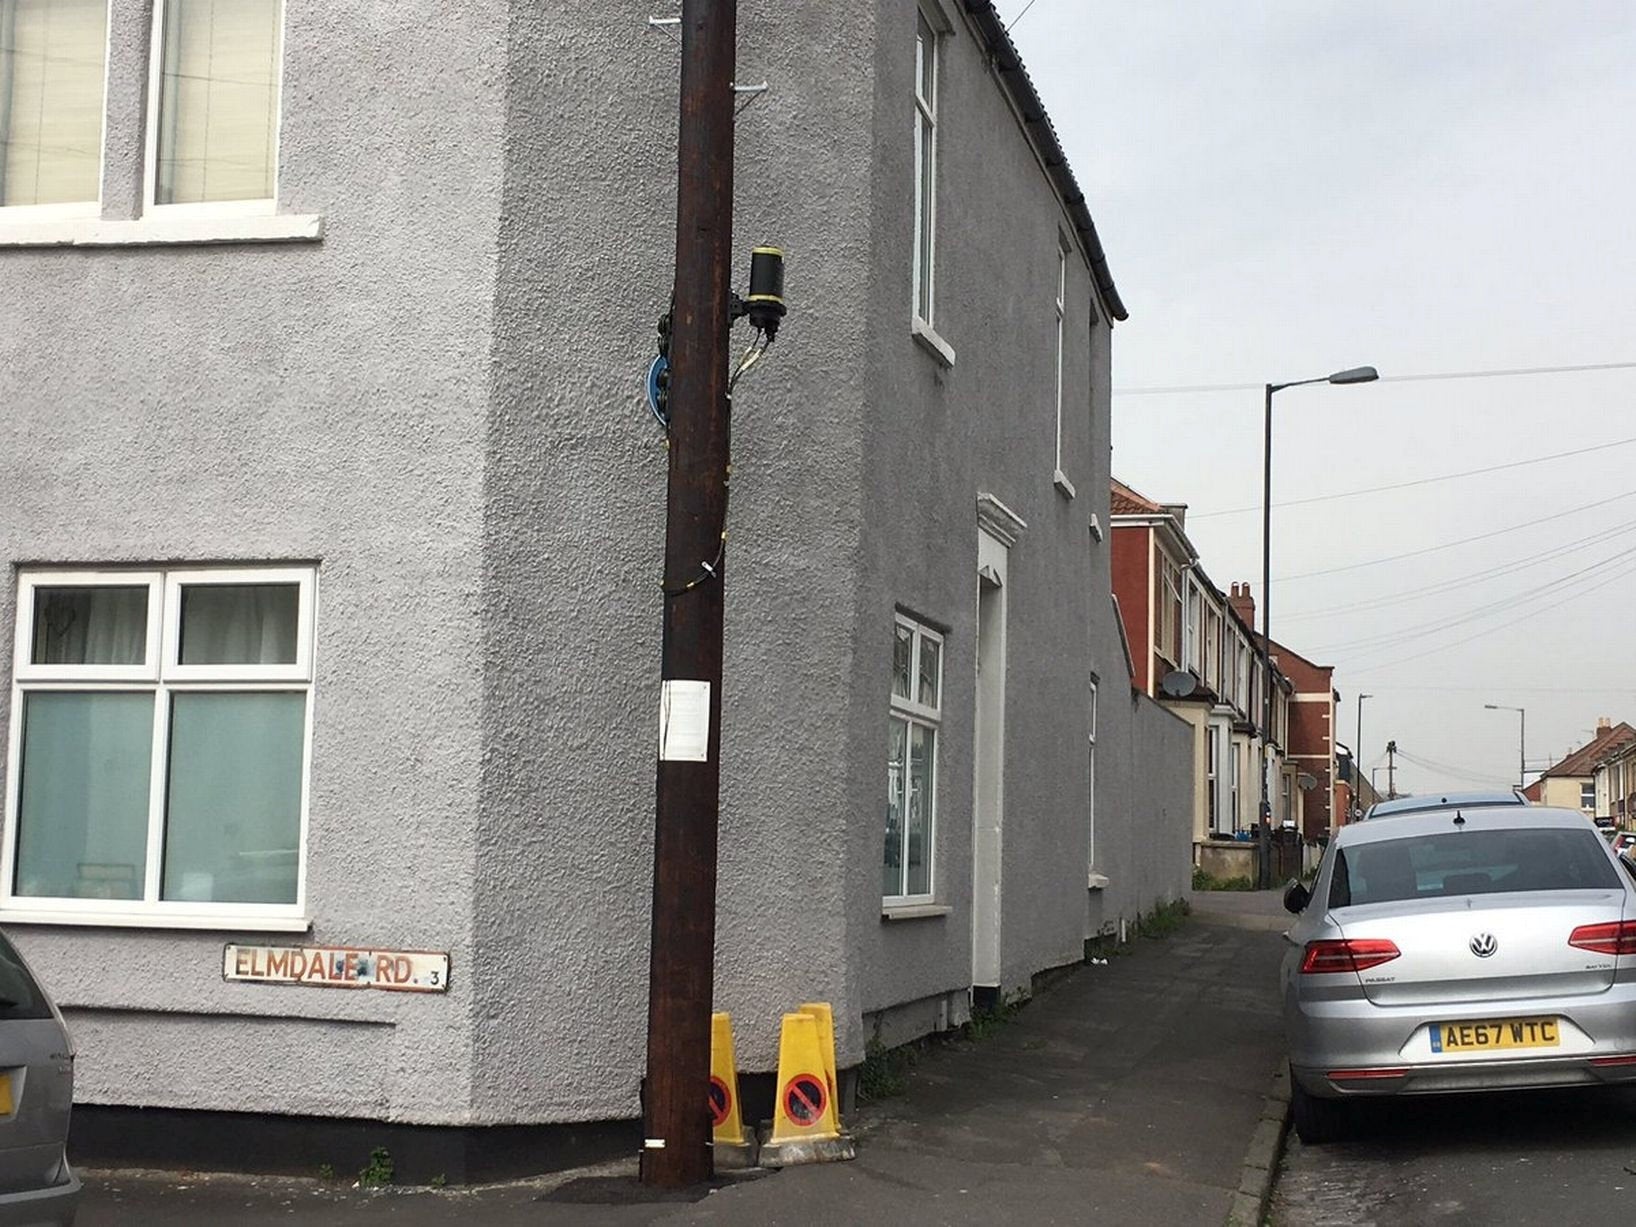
319 402
439 405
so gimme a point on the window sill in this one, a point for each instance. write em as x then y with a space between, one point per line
164 231
905 911
933 344
1096 881
1059 479
154 920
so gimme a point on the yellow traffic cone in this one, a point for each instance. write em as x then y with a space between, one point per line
825 1018
732 1148
805 1127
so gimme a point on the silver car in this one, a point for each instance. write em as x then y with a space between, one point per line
37 1187
1476 949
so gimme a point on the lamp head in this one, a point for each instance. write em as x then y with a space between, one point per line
1357 374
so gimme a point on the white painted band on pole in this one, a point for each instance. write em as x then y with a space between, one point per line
684 721
653 1144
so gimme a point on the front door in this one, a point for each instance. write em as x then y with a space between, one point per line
988 808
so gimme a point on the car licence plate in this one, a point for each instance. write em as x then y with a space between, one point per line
1493 1034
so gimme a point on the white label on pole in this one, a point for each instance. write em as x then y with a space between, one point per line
684 722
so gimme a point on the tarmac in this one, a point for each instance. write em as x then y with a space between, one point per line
1138 1091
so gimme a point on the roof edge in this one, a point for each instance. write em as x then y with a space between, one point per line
1008 66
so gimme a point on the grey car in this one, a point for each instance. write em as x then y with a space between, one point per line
1480 949
37 1187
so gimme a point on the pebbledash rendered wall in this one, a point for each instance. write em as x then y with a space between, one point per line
438 404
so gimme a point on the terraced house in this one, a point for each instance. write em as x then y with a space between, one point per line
334 526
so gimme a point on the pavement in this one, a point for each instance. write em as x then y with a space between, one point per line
1130 1092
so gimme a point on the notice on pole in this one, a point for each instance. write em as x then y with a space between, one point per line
684 721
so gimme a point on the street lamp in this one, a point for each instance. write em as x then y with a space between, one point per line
1356 374
1358 755
1522 740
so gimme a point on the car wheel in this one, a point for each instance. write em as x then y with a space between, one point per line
1317 1121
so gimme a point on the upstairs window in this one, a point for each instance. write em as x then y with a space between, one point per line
926 71
214 137
53 64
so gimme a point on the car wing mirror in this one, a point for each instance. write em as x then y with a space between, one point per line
1296 898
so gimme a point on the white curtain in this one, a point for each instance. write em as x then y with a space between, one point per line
218 108
239 624
52 59
90 626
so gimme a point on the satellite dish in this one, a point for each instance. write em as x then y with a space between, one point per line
1179 683
1307 782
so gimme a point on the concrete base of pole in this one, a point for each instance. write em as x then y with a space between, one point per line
730 1158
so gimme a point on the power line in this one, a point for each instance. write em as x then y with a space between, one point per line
1392 638
1419 481
1012 25
1449 545
1482 634
1177 389
1460 581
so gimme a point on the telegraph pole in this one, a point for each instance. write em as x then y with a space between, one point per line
676 1112
1391 770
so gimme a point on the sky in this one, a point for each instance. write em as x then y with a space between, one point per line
1286 188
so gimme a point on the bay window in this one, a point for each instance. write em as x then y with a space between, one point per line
159 745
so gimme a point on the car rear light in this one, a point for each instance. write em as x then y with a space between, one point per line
1353 954
1614 937
1605 1062
1365 1075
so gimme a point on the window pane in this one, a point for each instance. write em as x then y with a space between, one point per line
233 812
239 624
218 105
52 55
83 811
902 650
925 60
931 659
918 829
896 756
90 626
925 176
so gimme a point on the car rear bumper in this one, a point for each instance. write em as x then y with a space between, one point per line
50 1207
1374 1050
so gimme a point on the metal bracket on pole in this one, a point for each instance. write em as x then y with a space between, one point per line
750 92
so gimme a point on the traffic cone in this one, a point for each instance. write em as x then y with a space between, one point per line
733 1149
805 1127
825 1018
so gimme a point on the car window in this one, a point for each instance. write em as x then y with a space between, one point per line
20 995
1470 863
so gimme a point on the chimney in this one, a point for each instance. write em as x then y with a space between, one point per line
1243 603
1603 724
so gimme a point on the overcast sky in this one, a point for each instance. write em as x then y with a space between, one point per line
1288 188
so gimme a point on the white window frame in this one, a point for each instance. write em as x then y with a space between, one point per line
76 210
204 208
1588 804
915 712
161 678
929 25
1236 757
1091 810
1059 476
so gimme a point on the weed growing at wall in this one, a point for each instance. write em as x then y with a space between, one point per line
1204 881
378 1172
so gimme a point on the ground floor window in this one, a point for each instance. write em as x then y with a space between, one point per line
911 760
159 741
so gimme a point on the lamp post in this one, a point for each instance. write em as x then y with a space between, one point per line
1356 374
1358 763
1522 740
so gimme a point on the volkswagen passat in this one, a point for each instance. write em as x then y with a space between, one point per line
37 1187
1478 949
